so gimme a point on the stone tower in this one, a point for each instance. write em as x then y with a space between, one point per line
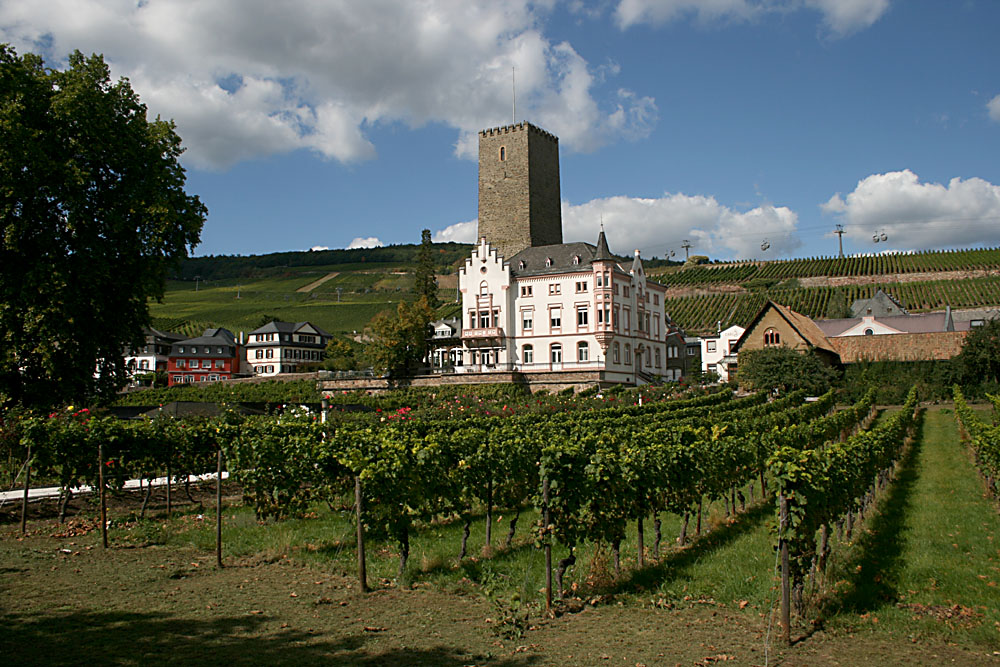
519 205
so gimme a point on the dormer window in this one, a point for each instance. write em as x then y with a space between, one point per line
548 261
520 265
576 259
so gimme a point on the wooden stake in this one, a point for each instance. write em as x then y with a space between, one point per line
218 510
548 545
358 515
27 486
786 615
100 483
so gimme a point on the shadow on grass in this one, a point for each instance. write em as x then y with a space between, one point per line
676 561
875 562
129 638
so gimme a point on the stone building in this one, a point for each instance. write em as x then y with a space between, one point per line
519 201
532 304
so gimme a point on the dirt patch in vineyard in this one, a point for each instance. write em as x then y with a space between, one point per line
67 601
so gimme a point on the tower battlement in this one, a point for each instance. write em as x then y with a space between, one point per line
519 199
516 127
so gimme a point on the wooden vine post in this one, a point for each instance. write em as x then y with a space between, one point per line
100 483
218 509
27 486
786 620
170 455
358 513
548 544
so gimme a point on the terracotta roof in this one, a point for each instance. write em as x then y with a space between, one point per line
802 325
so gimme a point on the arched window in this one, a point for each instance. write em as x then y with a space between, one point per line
658 360
484 289
628 354
869 332
616 352
771 338
503 153
528 354
582 351
556 353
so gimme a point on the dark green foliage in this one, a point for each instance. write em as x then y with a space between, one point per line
94 216
891 380
231 267
980 357
783 369
426 283
272 391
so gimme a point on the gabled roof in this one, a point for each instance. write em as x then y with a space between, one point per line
217 336
275 326
881 304
163 335
801 324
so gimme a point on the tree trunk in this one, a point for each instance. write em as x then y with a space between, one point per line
641 539
659 535
564 565
616 552
67 496
742 499
145 499
404 549
513 527
682 538
697 528
466 529
763 485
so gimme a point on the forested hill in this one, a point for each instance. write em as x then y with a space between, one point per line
230 267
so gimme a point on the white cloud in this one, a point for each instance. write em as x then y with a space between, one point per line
918 215
460 232
843 17
370 242
251 78
317 248
657 226
840 17
993 107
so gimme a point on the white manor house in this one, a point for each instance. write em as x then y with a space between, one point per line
533 304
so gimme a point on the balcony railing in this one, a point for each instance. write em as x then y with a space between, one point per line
489 332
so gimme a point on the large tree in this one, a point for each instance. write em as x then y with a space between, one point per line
979 361
93 213
783 369
426 282
398 342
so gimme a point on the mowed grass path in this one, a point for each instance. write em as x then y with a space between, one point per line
929 562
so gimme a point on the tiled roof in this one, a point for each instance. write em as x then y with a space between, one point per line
275 326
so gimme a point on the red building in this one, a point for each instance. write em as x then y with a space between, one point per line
213 356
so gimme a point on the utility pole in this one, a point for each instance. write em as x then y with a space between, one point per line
840 234
687 246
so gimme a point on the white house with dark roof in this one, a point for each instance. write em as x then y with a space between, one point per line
283 347
559 308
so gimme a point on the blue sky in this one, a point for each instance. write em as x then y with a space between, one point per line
725 122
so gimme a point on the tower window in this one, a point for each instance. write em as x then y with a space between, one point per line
503 153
